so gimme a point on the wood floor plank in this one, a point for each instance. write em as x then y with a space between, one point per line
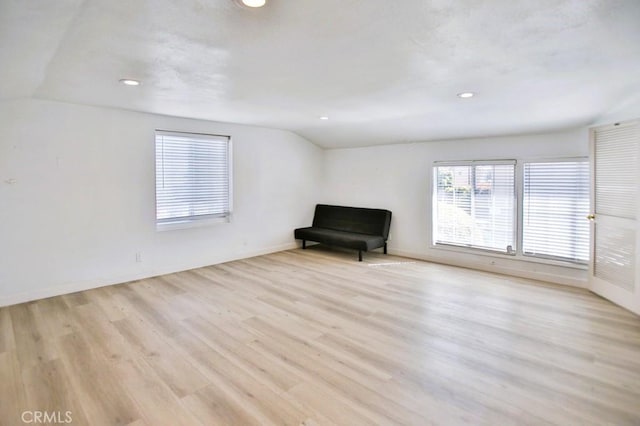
311 364
313 337
170 363
75 299
275 374
99 392
48 389
33 344
101 333
152 396
13 400
217 407
54 317
260 401
7 341
333 406
112 301
461 365
523 345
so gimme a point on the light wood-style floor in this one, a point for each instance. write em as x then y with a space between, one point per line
314 337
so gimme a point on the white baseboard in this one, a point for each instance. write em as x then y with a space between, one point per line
539 275
74 287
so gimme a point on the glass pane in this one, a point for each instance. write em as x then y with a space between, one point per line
475 206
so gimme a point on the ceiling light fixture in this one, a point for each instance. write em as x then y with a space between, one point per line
324 117
129 82
466 95
254 3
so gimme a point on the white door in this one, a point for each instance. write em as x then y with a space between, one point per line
615 230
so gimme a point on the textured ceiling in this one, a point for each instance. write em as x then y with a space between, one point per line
383 71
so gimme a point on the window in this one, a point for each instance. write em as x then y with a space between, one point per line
474 205
555 203
192 178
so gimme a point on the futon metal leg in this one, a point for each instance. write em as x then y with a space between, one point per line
304 244
385 248
359 255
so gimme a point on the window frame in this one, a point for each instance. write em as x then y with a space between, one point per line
518 206
464 163
194 221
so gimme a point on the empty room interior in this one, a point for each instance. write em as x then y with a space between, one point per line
320 212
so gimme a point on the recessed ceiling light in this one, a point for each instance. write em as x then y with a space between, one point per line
254 3
324 117
129 82
466 95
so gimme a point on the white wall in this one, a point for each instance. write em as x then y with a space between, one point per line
398 178
625 110
77 198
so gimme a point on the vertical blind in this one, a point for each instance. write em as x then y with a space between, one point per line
475 205
192 177
555 206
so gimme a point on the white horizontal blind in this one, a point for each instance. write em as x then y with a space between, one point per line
474 205
192 177
616 193
555 206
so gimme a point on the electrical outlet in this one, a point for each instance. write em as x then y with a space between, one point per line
138 257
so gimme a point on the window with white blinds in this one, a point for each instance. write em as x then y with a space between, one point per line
193 180
474 205
554 209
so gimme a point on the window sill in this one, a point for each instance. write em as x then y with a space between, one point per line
186 224
515 257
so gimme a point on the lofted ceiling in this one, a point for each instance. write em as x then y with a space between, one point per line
383 71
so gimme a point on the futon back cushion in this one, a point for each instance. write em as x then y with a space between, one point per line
353 219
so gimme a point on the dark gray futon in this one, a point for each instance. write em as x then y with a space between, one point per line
356 228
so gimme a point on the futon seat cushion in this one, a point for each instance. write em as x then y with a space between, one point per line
345 239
